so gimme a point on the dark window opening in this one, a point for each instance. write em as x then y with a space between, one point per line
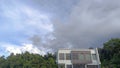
68 56
92 66
78 66
61 66
61 56
69 66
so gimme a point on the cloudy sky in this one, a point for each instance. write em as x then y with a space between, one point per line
41 26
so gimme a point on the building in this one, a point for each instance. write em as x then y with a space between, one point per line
78 58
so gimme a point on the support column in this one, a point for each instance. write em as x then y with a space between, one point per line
85 66
65 66
72 65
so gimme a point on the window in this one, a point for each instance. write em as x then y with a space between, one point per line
92 66
61 65
81 57
69 66
74 56
68 56
78 66
94 56
61 56
88 57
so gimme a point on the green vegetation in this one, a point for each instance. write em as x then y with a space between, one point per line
110 54
27 60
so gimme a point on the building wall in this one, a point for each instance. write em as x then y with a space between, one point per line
93 52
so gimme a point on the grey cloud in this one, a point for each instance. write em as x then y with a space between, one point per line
90 23
58 8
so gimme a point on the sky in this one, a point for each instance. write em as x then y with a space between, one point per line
41 26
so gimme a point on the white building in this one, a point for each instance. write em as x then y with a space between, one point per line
78 58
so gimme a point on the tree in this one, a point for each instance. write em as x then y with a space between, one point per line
27 60
110 54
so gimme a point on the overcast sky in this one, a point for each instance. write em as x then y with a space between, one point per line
41 26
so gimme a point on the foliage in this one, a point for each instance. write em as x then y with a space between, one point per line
110 54
27 60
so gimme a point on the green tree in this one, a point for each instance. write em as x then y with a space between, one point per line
110 54
27 60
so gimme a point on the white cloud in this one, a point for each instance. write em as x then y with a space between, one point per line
23 21
10 48
89 23
27 19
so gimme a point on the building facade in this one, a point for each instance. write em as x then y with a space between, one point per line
78 58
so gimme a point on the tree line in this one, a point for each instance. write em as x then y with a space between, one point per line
27 60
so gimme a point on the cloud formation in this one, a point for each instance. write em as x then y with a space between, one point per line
22 22
90 24
8 48
51 25
18 22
